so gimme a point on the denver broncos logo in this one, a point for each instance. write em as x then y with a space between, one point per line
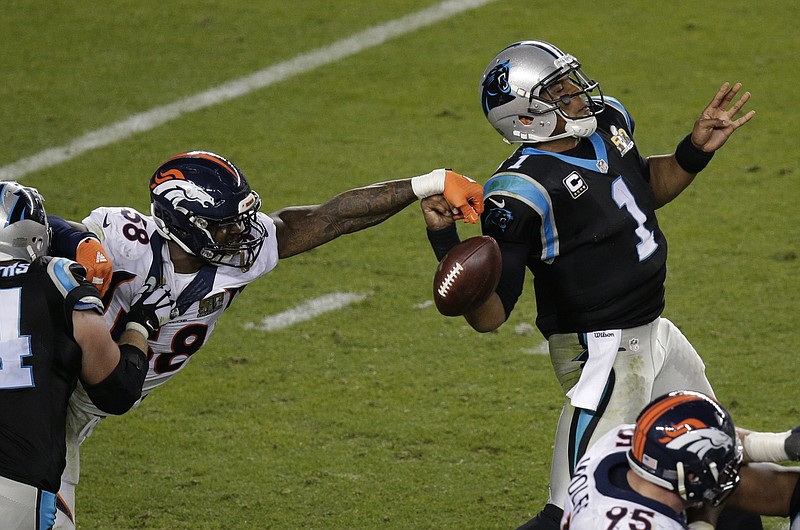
682 428
177 191
496 91
164 176
695 436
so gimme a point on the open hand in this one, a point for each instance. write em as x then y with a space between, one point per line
717 122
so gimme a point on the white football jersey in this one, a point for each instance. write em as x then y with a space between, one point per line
201 297
599 497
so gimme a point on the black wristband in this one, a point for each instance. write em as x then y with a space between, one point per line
690 158
443 240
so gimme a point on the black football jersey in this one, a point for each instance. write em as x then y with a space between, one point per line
583 221
40 365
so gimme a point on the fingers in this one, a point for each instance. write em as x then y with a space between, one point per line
91 254
744 119
469 213
465 194
725 95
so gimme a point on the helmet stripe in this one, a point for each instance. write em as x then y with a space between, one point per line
208 155
650 415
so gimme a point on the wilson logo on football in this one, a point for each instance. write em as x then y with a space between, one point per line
449 278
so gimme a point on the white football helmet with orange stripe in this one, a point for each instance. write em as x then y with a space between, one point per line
686 442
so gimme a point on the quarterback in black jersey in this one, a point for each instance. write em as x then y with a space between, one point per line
52 333
575 204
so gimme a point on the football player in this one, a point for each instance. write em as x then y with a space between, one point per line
205 239
52 334
576 203
682 453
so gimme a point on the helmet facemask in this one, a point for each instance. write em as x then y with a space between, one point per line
235 241
542 103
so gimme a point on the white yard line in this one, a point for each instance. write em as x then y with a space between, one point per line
158 116
306 311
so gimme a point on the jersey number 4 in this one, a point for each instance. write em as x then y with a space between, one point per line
13 347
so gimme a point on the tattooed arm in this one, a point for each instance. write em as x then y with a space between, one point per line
301 228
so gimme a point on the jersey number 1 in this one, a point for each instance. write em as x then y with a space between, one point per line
13 347
624 199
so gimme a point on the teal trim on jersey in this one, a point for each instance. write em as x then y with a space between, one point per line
620 107
47 509
533 194
61 273
600 153
584 418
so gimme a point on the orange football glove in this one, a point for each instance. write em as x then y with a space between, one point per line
91 254
465 194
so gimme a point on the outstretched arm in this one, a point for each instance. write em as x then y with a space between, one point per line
301 228
671 174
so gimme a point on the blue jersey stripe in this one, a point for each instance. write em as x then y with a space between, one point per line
534 195
62 273
600 153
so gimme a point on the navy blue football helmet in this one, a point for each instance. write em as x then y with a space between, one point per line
686 442
24 231
202 202
514 85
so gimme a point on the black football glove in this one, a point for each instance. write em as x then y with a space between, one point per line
151 308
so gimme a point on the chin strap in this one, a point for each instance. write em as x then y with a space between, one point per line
583 127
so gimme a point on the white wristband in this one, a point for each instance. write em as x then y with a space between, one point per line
766 446
429 184
135 326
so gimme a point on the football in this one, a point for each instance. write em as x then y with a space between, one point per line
467 275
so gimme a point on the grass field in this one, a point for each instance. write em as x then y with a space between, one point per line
385 414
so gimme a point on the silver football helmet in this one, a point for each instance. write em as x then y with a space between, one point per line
24 231
514 85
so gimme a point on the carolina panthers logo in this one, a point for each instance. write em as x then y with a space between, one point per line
177 191
696 437
496 91
500 217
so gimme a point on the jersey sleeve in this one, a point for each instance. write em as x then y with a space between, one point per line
68 279
268 257
510 219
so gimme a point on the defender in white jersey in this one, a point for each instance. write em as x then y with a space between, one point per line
682 453
206 240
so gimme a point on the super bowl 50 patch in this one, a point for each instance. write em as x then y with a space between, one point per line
211 304
621 140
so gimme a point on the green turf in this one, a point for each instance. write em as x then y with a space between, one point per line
385 414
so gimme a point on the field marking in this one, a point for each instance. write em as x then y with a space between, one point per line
307 310
300 64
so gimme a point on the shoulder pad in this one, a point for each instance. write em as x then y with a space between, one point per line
619 110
